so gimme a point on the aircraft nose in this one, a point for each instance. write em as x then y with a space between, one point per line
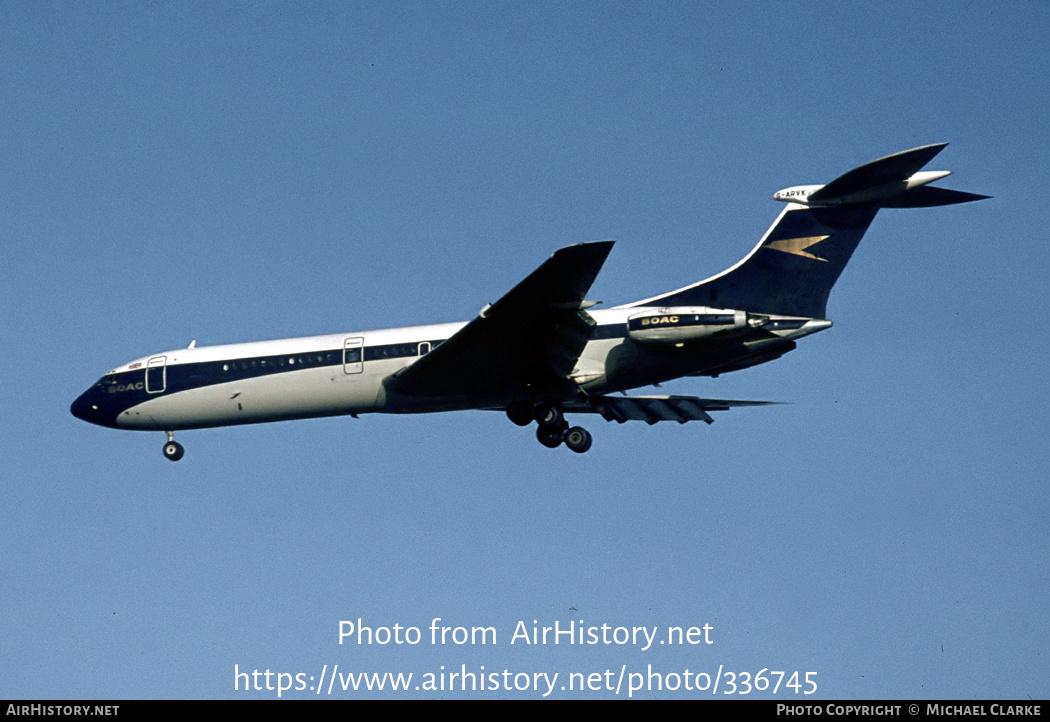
81 408
87 408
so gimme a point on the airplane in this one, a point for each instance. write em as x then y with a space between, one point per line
542 350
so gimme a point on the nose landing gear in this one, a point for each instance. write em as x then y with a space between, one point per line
173 450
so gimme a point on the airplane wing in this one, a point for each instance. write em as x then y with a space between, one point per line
530 338
653 409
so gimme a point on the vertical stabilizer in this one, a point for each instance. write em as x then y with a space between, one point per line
793 268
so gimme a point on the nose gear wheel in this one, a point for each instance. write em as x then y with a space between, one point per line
173 450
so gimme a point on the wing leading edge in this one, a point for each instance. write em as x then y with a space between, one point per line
527 342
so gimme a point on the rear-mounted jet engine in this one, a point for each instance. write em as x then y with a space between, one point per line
687 323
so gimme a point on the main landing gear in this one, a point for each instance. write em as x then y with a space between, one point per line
173 450
553 429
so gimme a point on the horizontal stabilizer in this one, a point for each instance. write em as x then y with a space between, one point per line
653 409
895 181
928 196
895 167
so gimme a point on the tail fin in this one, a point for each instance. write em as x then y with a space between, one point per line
793 268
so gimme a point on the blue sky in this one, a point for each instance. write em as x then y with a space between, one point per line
243 171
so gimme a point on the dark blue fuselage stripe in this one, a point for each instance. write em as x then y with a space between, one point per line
180 377
115 393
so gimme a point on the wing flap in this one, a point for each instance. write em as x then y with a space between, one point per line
654 409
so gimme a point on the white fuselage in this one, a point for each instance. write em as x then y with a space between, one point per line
342 374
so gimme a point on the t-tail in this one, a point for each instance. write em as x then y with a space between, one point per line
792 269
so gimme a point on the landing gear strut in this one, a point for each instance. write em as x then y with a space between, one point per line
173 450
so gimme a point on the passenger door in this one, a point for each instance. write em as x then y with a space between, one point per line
156 375
354 355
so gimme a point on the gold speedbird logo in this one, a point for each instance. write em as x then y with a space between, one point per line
798 246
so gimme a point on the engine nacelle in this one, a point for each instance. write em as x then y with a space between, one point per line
683 324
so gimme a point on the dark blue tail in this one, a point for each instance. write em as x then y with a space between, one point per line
793 268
